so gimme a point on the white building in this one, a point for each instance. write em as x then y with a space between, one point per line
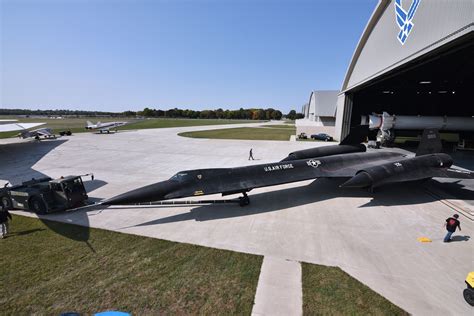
319 113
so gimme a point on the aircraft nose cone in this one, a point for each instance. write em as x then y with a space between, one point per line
360 180
149 193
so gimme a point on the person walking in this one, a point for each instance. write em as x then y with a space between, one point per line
4 216
251 154
451 224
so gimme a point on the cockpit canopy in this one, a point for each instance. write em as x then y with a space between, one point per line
196 175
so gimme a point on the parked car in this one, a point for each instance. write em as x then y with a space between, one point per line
302 136
65 133
322 136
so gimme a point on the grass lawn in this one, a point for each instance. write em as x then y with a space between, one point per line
163 123
249 133
331 291
76 125
286 126
44 273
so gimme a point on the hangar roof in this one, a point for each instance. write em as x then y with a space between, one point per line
434 23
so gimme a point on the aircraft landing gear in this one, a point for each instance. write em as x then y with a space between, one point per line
244 200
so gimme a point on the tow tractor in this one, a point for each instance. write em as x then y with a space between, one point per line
46 195
468 292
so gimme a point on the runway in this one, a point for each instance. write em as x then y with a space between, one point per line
373 237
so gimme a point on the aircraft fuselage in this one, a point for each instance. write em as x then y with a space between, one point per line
243 179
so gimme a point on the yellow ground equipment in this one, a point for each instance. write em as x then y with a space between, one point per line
423 239
469 291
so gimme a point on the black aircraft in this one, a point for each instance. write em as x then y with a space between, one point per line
349 159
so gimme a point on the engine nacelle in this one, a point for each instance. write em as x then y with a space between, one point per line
325 151
410 169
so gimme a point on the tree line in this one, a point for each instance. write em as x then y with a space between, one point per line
292 115
240 114
57 112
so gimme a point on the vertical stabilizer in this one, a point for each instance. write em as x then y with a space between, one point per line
430 142
89 123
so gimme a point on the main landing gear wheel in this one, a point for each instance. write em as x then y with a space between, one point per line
244 200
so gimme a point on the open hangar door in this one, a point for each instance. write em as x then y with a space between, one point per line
438 84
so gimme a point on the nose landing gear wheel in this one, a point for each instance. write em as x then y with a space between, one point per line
244 200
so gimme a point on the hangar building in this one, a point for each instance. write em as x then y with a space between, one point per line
319 113
413 58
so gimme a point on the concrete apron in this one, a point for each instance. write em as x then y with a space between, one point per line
370 236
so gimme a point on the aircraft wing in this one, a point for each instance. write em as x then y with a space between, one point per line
18 126
307 169
7 121
352 168
454 174
43 132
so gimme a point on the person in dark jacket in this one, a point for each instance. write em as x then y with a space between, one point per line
251 154
451 224
4 216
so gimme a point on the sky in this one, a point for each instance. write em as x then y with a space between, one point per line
117 55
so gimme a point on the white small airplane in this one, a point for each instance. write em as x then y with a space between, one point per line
104 127
13 125
46 133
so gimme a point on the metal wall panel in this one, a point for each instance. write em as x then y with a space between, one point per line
340 116
322 103
436 22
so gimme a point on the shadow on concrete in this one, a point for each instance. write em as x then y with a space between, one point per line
92 185
317 191
458 189
17 159
460 238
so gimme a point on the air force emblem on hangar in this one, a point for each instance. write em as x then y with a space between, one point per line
404 18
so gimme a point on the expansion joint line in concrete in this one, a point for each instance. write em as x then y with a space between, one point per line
463 210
